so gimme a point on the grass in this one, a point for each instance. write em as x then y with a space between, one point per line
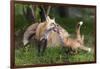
28 55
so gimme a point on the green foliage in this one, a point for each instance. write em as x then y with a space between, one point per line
52 55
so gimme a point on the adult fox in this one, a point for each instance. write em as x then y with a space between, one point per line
75 43
38 31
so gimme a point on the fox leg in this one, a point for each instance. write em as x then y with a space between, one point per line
73 51
70 50
43 45
39 47
65 49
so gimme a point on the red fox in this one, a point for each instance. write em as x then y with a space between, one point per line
76 43
43 32
37 30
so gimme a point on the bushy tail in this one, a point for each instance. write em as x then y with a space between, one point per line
78 34
85 48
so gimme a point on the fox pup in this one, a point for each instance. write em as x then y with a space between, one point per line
76 43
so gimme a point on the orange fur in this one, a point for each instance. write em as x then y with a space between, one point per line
78 42
53 39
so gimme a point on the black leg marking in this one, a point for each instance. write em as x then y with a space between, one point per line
44 45
64 50
39 48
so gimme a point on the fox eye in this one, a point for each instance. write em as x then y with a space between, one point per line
52 24
57 25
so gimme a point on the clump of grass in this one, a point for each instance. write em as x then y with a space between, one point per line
51 55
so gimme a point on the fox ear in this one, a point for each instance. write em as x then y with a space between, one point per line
54 19
47 18
82 37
